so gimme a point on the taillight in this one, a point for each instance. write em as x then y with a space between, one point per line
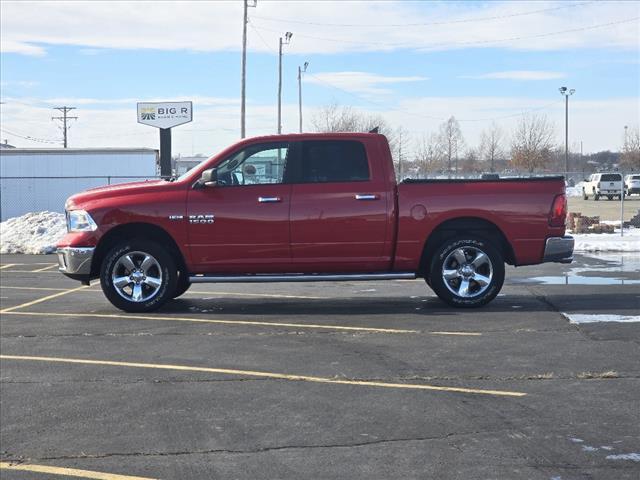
558 213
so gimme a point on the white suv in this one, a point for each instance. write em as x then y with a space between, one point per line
632 184
603 185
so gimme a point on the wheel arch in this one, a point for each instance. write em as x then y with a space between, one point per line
475 225
129 231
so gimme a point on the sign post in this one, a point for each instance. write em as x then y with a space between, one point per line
165 115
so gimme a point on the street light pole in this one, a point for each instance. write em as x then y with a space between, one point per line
286 41
566 93
301 70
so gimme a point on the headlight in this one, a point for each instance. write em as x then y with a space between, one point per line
80 221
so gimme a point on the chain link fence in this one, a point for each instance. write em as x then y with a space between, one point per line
20 195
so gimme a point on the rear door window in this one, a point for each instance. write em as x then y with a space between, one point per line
326 161
610 177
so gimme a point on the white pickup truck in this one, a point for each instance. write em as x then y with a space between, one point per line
603 185
632 184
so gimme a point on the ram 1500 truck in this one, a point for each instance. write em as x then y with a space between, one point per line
310 207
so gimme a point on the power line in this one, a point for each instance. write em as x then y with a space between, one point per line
456 44
420 24
30 138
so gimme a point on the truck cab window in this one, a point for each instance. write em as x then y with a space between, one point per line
325 161
255 165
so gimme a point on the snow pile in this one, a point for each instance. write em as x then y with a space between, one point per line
608 242
574 191
33 233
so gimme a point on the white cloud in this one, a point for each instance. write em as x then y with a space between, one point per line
518 75
11 46
598 123
359 82
27 27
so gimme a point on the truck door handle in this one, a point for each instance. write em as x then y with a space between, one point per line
269 199
366 196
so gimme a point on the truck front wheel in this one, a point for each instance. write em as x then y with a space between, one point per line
138 276
467 272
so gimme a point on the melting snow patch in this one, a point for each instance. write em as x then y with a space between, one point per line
577 318
634 457
608 242
587 448
576 440
32 233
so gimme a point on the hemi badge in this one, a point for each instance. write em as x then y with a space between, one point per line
176 217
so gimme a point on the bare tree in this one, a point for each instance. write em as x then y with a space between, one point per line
451 140
491 145
630 158
470 161
429 155
336 118
532 143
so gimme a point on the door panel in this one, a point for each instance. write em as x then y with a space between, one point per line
332 231
246 235
338 224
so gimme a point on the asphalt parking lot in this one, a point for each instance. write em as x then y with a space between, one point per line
346 380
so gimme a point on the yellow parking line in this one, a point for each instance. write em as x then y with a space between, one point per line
208 320
32 263
278 376
44 299
7 265
46 289
69 472
44 269
30 271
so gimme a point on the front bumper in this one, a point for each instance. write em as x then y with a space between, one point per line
559 249
75 261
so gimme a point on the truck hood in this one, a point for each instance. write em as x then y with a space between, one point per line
111 191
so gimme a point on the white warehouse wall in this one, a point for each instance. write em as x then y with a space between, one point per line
47 177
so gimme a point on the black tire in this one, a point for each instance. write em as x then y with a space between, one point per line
610 197
183 284
492 267
584 195
164 269
596 197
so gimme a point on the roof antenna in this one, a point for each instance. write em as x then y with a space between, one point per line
374 130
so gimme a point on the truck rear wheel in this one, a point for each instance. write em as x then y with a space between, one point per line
467 272
138 276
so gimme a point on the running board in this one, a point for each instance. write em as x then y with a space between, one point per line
295 277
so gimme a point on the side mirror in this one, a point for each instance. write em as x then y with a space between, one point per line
209 178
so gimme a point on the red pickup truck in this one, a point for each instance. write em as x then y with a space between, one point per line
310 207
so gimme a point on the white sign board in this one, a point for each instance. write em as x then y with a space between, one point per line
164 114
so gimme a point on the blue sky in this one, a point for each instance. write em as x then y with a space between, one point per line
482 60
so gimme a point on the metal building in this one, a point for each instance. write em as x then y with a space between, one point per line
35 179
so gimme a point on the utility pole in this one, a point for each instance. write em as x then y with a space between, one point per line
566 93
301 70
64 119
286 41
243 87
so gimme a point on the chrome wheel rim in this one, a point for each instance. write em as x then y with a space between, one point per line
467 272
137 276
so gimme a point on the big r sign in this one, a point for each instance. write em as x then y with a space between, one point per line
164 114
